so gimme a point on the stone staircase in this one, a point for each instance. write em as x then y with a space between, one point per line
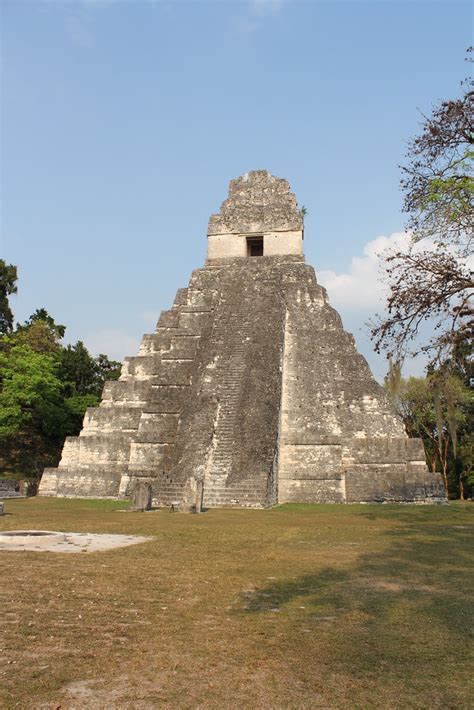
152 450
225 483
232 332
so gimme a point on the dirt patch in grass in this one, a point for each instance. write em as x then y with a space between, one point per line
298 607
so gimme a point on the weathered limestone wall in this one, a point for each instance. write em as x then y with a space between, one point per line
219 246
258 204
339 439
283 243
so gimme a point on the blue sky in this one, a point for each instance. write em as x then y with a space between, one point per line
123 122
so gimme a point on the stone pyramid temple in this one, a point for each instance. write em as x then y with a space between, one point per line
249 392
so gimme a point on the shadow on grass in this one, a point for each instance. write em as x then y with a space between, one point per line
396 624
426 569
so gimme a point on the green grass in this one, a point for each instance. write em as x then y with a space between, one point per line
358 606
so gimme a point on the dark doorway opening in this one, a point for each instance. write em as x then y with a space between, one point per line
254 246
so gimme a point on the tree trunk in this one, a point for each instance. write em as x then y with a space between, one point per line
443 455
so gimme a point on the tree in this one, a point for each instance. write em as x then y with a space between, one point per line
106 370
78 370
8 279
30 390
433 284
40 332
45 388
31 408
84 374
438 409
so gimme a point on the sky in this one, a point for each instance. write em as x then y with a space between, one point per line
122 122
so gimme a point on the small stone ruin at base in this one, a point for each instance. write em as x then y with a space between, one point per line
249 392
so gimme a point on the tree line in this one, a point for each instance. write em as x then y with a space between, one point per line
431 289
45 386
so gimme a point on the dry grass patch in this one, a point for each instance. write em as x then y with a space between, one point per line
297 607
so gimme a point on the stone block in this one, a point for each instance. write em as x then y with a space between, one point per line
70 453
169 319
101 450
310 462
379 450
157 427
183 347
127 393
166 399
377 482
181 297
75 482
150 457
194 322
105 420
141 495
141 367
310 491
174 372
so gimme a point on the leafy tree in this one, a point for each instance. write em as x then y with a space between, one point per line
83 374
30 389
45 389
106 370
78 369
8 279
434 283
438 182
40 332
74 410
31 407
438 409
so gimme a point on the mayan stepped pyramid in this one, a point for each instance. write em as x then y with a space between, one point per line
249 390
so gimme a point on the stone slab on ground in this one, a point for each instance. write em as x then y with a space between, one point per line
50 541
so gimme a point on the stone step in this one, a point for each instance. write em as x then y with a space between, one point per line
169 319
253 487
110 419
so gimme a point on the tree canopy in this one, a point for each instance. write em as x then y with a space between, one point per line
430 290
439 409
8 279
45 389
431 284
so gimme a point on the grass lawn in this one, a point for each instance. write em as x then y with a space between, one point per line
319 606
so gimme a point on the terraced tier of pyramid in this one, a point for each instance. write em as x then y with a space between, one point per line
249 392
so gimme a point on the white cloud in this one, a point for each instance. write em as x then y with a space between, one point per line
115 343
362 288
361 292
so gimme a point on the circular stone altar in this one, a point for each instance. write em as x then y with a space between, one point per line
52 541
17 536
